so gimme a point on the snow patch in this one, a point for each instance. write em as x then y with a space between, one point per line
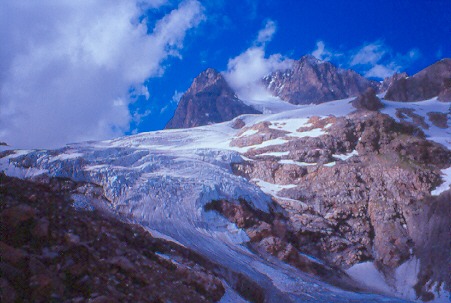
406 278
346 156
271 188
446 177
367 274
275 154
422 108
287 161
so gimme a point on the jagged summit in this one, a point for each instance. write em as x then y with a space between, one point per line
315 81
207 78
434 80
209 100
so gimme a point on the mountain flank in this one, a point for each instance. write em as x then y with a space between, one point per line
209 100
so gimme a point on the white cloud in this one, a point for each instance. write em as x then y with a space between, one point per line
321 52
67 66
373 60
377 60
244 72
369 54
265 35
177 96
381 71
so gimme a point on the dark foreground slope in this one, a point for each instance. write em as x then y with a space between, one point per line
52 252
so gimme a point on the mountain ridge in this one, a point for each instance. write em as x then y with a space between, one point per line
210 99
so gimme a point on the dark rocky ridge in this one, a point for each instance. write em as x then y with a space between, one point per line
315 81
209 100
432 81
52 252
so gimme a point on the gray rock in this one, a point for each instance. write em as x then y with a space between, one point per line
315 81
368 100
209 100
432 81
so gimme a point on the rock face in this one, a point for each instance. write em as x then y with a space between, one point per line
313 81
209 100
359 193
368 100
432 81
52 252
445 94
390 80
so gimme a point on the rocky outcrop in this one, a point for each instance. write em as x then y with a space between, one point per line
445 94
368 100
359 193
53 252
209 100
388 81
314 81
431 82
274 234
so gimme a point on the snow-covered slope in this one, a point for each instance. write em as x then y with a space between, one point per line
164 179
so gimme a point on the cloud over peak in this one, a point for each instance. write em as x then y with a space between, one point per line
68 67
373 60
245 71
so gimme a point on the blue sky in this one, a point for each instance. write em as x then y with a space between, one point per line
90 70
345 27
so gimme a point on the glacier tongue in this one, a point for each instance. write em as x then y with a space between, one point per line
163 180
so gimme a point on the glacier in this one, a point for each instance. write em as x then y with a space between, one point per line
162 180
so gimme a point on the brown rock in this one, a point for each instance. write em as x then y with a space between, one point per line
368 100
314 81
7 292
123 263
430 82
16 215
390 80
72 239
12 255
41 228
439 119
209 100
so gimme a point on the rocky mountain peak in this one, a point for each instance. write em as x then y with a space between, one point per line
209 100
430 82
207 78
314 81
309 59
388 81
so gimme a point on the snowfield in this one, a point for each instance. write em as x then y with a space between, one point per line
162 180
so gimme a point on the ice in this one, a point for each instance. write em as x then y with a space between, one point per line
446 177
346 156
271 188
275 154
406 278
287 161
422 108
290 125
316 132
367 274
249 132
162 181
